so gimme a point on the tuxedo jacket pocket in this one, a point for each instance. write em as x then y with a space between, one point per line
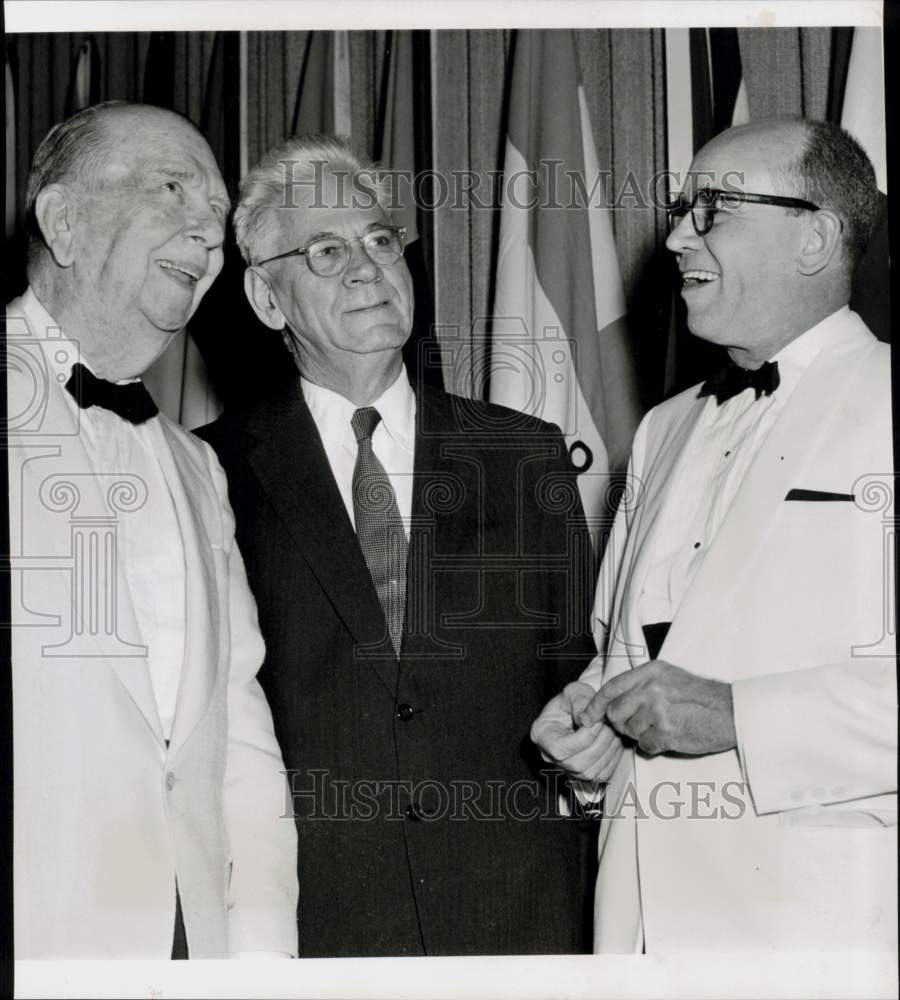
819 496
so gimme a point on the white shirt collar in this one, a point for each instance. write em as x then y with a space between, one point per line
60 352
332 413
66 352
794 358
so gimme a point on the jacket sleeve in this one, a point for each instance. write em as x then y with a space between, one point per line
818 743
262 899
820 736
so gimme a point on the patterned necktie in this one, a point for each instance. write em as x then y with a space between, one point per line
732 379
131 401
378 525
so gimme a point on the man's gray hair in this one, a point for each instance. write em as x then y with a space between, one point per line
72 151
286 177
833 171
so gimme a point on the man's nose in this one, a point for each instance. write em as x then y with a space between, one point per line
360 266
205 224
683 236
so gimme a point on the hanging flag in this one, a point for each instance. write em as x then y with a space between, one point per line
559 342
84 84
863 116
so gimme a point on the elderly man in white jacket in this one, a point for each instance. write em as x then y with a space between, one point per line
148 781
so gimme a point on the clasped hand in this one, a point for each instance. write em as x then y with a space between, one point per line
586 752
659 706
664 708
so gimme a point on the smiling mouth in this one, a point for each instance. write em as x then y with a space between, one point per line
178 272
695 277
372 305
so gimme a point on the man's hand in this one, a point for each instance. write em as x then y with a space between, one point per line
664 708
585 752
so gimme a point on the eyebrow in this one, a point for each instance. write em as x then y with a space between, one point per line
180 174
325 233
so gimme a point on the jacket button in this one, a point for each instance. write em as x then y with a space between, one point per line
170 781
412 815
405 712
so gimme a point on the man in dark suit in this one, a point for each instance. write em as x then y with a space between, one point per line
421 565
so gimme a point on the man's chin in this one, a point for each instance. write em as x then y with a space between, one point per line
703 327
383 337
169 321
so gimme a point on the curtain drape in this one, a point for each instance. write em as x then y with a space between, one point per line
459 82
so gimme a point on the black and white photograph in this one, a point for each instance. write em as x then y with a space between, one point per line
450 474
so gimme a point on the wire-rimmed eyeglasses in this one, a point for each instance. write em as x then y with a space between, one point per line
707 201
328 256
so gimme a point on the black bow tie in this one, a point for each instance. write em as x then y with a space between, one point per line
732 379
131 401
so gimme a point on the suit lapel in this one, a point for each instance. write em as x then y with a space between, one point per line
657 483
450 516
796 436
291 465
202 626
126 658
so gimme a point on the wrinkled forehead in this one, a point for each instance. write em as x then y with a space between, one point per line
142 144
734 164
340 204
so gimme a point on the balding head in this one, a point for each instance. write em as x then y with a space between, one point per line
127 213
818 162
757 273
77 151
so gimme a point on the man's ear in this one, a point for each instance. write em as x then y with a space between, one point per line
261 297
821 241
54 210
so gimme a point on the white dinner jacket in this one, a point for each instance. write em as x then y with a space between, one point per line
788 843
106 814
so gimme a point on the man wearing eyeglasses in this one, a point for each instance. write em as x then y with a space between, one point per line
421 565
745 608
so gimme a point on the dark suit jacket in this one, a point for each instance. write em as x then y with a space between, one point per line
424 824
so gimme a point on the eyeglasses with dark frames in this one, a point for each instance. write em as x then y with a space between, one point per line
328 256
707 201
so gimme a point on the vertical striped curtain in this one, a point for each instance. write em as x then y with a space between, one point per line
719 77
460 84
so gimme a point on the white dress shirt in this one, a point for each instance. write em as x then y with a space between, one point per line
722 445
148 539
393 440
